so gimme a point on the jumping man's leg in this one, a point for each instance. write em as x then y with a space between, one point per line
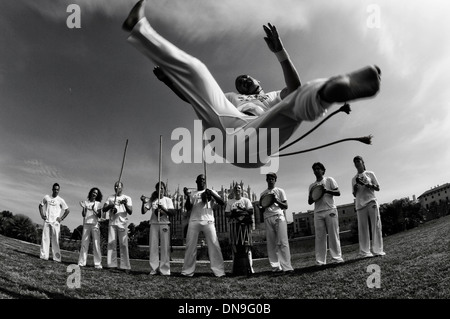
358 84
188 74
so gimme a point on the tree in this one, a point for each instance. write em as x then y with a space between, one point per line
77 233
141 232
6 218
21 227
400 215
65 231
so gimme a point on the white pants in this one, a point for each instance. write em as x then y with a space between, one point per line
121 235
196 83
369 216
327 222
90 230
214 252
159 245
50 232
278 243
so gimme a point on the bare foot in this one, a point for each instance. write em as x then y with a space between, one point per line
136 14
359 84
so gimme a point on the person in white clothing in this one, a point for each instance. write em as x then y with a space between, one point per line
159 241
200 203
91 212
51 207
277 239
364 186
326 219
119 207
239 211
251 111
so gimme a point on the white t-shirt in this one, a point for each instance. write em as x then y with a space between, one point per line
201 210
91 217
255 103
327 200
274 209
119 219
234 203
53 206
365 195
165 202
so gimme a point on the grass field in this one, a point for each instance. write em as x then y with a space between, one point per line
417 266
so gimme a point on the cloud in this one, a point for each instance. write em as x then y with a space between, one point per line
36 167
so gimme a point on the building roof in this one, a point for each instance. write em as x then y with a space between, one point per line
435 189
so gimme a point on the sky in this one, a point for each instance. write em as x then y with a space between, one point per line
70 97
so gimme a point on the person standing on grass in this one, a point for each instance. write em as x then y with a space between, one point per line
239 211
91 212
278 249
200 203
326 219
50 209
364 186
119 207
159 242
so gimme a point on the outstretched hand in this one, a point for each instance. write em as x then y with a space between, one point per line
272 39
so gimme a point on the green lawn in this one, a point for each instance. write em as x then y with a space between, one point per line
416 267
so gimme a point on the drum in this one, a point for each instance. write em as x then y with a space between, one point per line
240 234
267 200
317 192
241 241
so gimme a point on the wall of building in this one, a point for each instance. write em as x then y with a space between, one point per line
436 195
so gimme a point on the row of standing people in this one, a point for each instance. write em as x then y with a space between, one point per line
200 205
54 209
326 219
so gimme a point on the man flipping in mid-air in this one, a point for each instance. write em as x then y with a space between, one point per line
251 109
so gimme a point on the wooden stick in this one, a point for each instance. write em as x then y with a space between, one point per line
159 181
121 169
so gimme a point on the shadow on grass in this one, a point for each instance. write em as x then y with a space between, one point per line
17 295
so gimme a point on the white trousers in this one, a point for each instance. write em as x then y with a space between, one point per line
369 216
278 250
214 252
50 233
90 231
326 224
194 80
116 234
159 245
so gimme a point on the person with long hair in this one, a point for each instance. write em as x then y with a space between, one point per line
161 208
91 212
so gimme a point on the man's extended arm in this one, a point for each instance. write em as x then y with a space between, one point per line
290 73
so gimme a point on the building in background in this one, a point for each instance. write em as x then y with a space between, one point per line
303 222
435 196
